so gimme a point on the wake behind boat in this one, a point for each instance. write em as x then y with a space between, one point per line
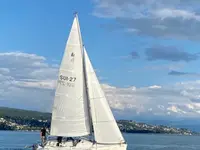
80 105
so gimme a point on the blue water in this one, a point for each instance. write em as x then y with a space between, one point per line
18 140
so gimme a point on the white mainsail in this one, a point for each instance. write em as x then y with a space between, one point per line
104 124
70 116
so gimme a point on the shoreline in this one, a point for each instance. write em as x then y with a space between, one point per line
121 131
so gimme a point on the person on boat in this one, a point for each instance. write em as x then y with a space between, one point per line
59 140
43 135
74 142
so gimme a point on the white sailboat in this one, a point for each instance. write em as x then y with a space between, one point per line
80 105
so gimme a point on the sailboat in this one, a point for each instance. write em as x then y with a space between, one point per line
80 108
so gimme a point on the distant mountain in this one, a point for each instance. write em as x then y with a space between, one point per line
13 112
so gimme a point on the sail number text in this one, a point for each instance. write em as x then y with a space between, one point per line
67 81
65 78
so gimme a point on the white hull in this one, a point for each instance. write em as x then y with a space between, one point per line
82 145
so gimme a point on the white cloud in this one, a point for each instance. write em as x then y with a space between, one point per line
168 67
19 55
175 13
177 19
155 87
4 70
25 85
43 84
26 80
176 109
155 100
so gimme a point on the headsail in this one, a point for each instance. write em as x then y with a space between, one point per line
104 124
70 115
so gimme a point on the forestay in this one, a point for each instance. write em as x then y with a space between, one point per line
70 115
104 124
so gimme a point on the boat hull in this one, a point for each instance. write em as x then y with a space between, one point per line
91 148
83 145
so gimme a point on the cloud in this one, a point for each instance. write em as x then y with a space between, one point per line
168 19
154 87
169 53
168 66
134 55
30 86
166 101
27 81
175 13
178 73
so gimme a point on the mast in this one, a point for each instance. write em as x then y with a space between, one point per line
84 73
79 32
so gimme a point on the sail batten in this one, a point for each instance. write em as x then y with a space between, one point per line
70 115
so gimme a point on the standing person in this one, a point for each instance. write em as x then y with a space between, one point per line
59 140
43 135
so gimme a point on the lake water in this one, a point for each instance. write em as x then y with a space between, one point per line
10 140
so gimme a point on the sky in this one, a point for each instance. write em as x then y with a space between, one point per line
145 53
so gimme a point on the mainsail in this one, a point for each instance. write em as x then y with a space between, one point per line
70 115
104 124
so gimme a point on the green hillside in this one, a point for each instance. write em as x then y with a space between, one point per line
12 112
